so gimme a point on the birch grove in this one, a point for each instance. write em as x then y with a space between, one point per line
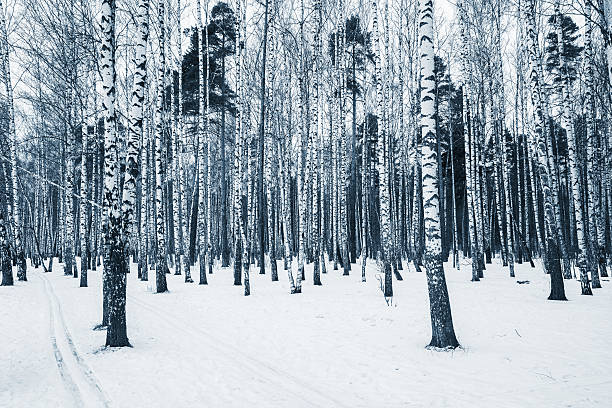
298 139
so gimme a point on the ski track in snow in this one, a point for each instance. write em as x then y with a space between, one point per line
293 386
78 378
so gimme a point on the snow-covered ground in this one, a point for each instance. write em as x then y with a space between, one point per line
338 345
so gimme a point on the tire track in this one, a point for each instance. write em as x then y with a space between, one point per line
79 379
294 387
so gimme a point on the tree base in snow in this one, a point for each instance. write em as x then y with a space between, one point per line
553 267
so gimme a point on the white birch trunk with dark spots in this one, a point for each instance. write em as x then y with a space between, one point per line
552 264
12 139
115 260
160 220
443 333
200 154
382 164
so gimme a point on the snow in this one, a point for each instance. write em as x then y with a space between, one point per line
338 345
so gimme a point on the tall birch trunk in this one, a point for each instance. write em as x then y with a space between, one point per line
597 248
12 138
552 264
443 333
468 135
575 180
162 262
383 173
115 261
201 222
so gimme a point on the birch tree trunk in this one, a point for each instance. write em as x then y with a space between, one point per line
237 198
162 262
245 222
597 248
443 333
261 222
552 264
208 155
5 256
69 263
301 193
181 161
383 173
316 138
500 110
575 181
115 261
12 138
135 130
84 238
467 136
144 253
201 146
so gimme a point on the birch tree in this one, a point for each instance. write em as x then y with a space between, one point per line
383 174
552 264
443 333
162 262
135 132
115 262
12 141
575 181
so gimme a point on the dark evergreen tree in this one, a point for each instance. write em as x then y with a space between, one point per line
358 49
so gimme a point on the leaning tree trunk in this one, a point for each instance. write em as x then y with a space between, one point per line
443 332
